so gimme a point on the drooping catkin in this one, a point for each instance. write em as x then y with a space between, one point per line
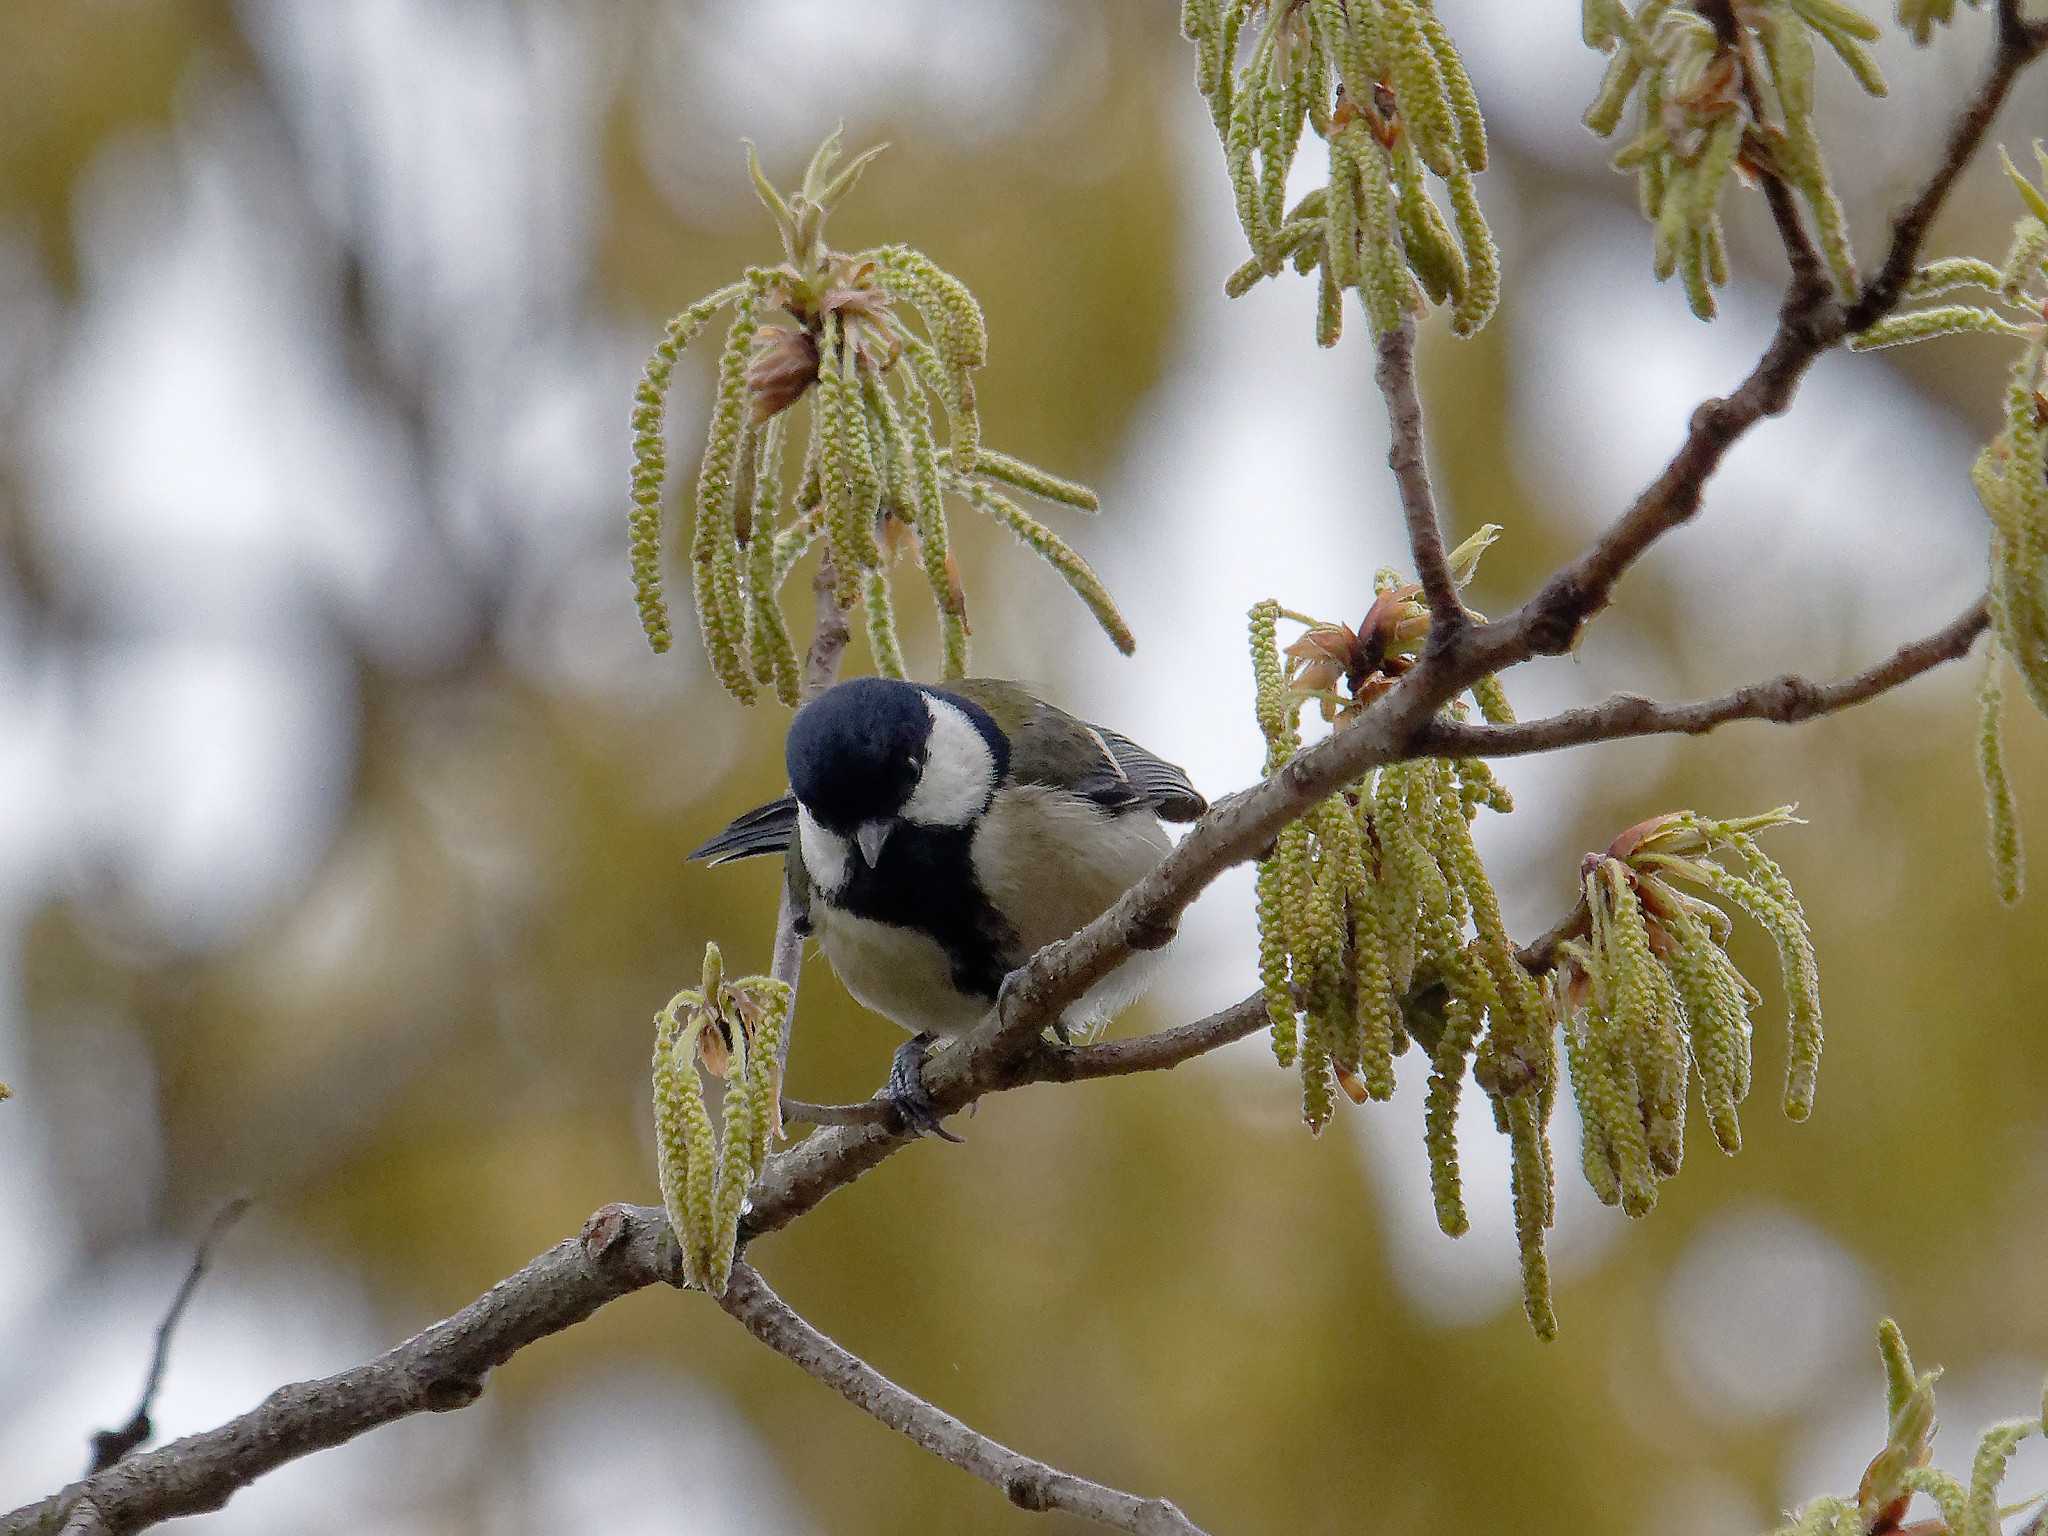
650 459
1710 82
847 340
1381 83
1364 905
2008 861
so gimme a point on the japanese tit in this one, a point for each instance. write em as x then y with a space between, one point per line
938 836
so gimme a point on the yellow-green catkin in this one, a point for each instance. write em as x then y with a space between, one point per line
774 652
1784 919
2008 861
735 1170
1382 84
1717 1020
1672 59
1440 1114
1531 1186
1056 552
1596 1101
650 460
686 1149
711 545
933 541
1920 17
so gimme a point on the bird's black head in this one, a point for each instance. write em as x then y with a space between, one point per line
874 750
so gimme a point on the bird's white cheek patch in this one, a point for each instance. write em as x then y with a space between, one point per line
825 853
959 770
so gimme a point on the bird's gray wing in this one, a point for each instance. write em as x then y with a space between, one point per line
1049 746
1164 786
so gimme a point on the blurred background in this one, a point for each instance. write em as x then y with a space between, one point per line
343 809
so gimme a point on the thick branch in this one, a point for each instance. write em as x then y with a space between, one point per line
1786 699
443 1367
1024 1482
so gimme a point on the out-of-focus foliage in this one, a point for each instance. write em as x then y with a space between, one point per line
1901 1469
1721 88
1381 83
425 1046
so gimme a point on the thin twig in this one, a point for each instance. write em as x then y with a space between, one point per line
2020 42
1395 376
1025 1482
110 1445
1157 1052
1786 699
829 635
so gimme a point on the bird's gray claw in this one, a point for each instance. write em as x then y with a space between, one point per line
906 1091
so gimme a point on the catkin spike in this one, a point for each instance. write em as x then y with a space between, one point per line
1057 553
933 543
1029 477
718 483
650 459
1440 1114
2008 861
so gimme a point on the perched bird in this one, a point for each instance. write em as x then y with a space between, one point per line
939 835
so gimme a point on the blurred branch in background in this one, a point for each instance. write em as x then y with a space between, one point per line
110 1445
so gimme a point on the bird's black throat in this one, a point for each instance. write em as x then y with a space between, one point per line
925 881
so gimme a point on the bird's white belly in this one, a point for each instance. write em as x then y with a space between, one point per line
900 973
1053 864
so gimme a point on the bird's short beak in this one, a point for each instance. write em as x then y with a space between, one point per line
870 837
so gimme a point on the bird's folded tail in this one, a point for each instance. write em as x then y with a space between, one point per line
765 829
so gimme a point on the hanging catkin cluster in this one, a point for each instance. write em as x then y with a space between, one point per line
1903 1468
873 476
2011 477
1649 1000
1381 84
1378 924
1718 98
735 1029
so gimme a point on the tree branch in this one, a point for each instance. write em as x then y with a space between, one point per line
443 1367
110 1445
2019 43
1786 699
1809 324
1395 375
1028 1484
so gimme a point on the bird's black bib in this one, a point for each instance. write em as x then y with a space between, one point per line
925 881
